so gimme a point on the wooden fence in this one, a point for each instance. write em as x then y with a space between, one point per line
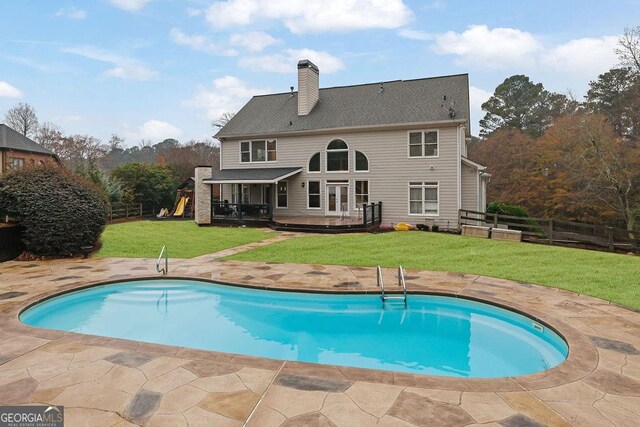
557 232
122 211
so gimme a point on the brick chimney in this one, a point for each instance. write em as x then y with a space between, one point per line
308 86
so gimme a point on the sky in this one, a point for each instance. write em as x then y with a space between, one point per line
155 69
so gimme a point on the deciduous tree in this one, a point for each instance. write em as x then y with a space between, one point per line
22 118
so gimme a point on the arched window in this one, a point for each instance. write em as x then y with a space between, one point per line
314 163
337 156
362 163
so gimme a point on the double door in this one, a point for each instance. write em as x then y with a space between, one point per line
337 199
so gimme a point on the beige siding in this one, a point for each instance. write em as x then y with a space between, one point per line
469 188
390 171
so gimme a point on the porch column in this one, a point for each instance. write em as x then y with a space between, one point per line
203 195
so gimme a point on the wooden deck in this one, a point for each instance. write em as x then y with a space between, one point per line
318 220
321 224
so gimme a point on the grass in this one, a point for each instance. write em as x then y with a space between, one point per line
612 277
184 239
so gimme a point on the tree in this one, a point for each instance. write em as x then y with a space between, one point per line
183 159
600 164
151 185
519 103
79 151
628 50
221 121
49 135
22 118
616 94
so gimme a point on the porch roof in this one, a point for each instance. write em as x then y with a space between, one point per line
251 176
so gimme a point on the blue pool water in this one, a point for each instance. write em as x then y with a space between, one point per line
434 335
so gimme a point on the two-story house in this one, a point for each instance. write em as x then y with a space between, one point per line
318 156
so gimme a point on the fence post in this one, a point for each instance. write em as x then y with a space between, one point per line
495 220
610 236
459 218
364 214
550 232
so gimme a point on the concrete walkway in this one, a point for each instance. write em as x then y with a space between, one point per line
107 381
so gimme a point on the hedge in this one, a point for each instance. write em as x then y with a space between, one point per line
60 212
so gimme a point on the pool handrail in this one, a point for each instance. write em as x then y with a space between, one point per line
380 282
401 282
164 251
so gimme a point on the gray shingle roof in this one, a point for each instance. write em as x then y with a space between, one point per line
254 175
12 140
400 101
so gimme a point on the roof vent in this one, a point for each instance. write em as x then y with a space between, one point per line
291 94
381 87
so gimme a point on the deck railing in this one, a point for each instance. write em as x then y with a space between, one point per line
372 214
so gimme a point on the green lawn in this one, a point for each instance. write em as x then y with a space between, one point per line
604 275
184 239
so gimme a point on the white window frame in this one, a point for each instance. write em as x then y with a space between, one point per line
278 195
309 161
319 194
422 143
16 162
355 162
422 185
266 151
326 155
355 194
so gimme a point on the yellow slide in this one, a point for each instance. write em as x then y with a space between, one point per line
181 204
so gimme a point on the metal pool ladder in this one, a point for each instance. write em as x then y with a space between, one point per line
165 269
401 282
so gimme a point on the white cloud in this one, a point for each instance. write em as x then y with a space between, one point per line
497 48
254 41
415 34
286 62
199 42
9 91
153 130
587 57
124 67
71 13
226 95
477 97
305 16
191 11
130 5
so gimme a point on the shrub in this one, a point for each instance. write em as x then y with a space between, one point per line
59 211
505 209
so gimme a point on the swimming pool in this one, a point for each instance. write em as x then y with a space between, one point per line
434 335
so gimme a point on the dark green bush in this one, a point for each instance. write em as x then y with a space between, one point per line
59 211
505 209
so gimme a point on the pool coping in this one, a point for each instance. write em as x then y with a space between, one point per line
582 358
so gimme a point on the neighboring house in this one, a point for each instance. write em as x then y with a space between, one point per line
16 150
323 153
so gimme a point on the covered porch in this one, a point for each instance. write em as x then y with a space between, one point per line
272 197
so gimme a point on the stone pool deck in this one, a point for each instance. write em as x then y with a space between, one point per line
106 381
